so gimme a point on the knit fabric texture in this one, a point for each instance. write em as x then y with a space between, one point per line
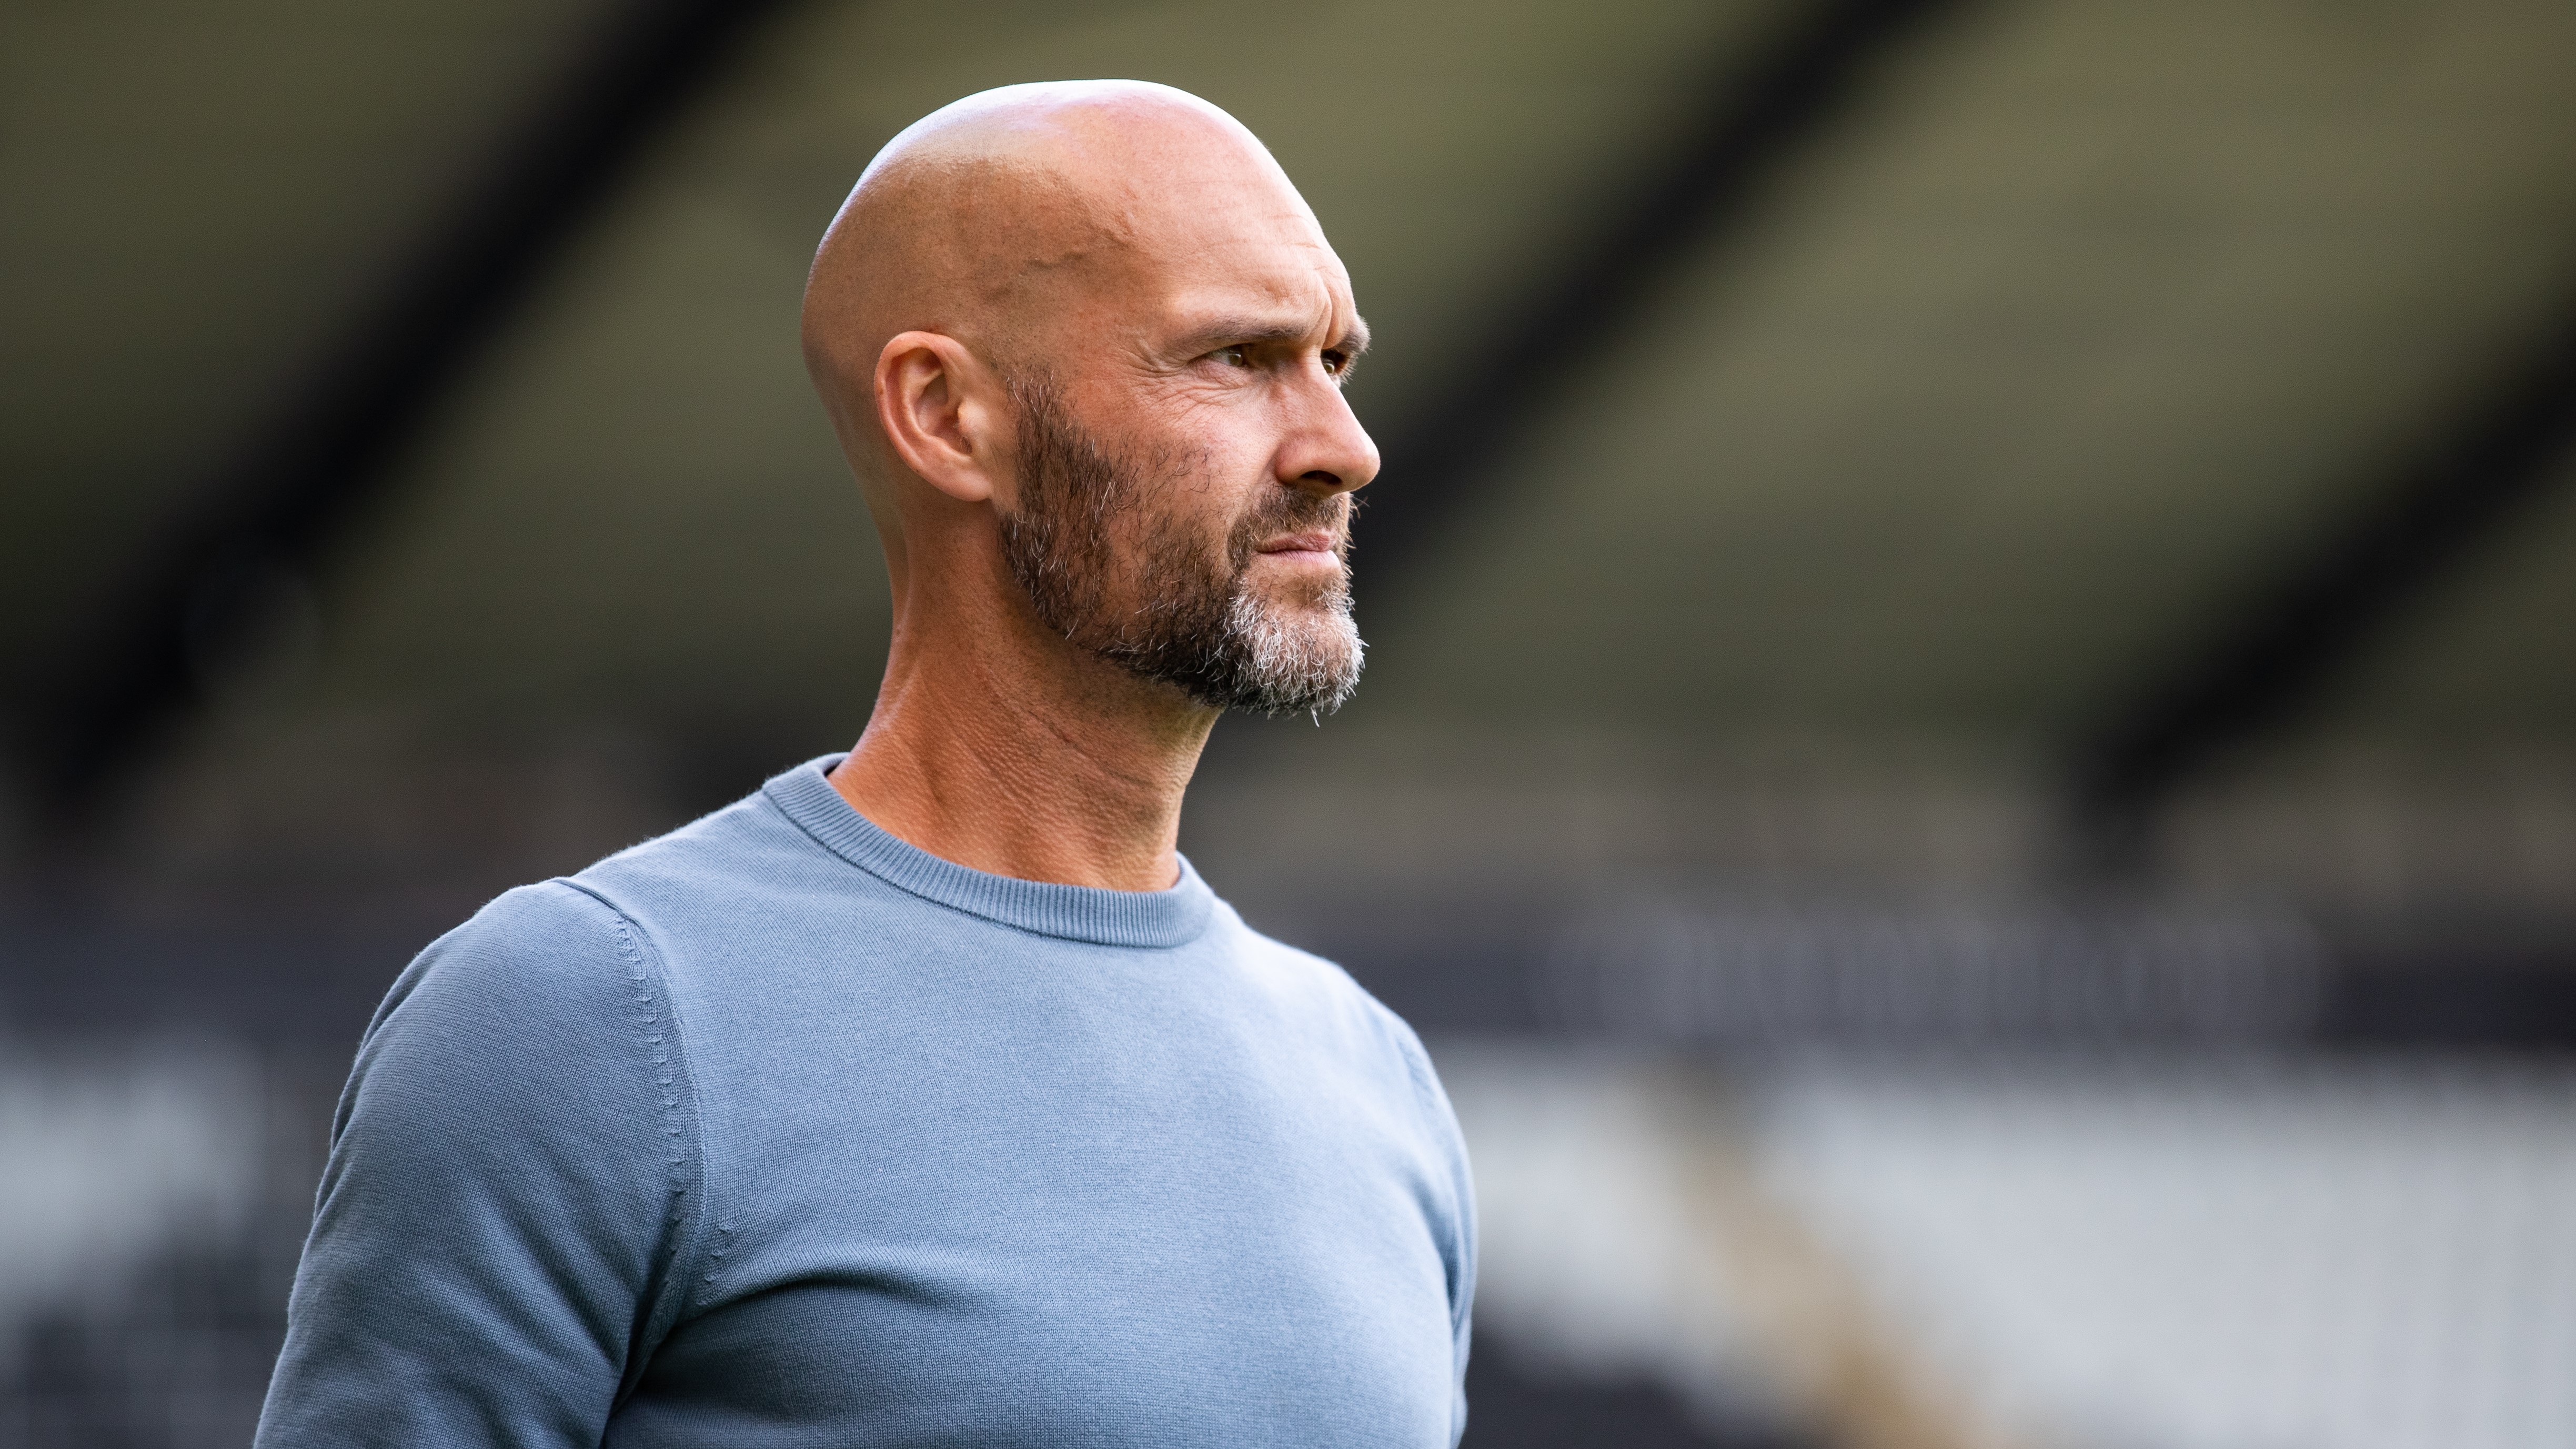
777 1130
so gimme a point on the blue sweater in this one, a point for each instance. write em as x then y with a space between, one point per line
779 1131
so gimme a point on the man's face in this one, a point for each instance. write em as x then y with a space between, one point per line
1186 459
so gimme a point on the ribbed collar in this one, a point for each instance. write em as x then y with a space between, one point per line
1075 913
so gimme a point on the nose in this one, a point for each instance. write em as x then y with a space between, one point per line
1325 449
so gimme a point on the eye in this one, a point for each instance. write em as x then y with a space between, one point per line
1334 362
1235 356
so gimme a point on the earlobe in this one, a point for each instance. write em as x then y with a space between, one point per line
928 403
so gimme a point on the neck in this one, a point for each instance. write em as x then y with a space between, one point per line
998 746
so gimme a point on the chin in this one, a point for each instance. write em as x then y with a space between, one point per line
1307 593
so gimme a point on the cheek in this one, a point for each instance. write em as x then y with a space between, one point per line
1227 444
1199 489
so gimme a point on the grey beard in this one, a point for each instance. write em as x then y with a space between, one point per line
1270 666
1202 629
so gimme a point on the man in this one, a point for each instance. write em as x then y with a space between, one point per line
927 1096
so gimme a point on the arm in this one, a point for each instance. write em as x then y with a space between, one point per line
504 1225
1458 1231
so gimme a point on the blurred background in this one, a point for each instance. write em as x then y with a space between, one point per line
1969 760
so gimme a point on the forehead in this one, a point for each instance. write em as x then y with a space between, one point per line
1244 248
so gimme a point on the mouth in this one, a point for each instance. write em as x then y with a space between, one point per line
1313 546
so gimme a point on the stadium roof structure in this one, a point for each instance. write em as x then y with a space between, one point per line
2136 400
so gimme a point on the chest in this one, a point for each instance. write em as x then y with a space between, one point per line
1040 1230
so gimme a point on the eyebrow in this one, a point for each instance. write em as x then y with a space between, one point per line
1234 331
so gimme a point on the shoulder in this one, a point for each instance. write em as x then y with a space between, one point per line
1333 993
532 954
1292 970
729 850
542 990
735 874
532 1045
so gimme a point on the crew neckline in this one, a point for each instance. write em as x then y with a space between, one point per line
1161 918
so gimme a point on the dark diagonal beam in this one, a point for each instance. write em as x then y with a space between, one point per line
2420 522
275 510
1760 114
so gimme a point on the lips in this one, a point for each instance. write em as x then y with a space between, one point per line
1318 541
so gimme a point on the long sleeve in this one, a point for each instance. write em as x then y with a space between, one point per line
504 1227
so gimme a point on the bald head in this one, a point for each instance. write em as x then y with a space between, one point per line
1034 219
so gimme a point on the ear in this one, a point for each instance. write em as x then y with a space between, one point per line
941 409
